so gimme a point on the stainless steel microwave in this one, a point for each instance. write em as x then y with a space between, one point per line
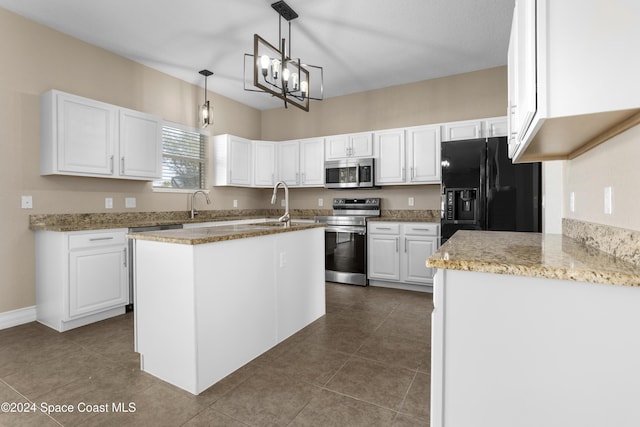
349 173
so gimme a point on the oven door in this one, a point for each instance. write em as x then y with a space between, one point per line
346 254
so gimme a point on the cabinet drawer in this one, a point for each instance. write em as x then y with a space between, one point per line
421 229
384 228
94 239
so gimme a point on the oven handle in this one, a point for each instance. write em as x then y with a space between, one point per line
346 229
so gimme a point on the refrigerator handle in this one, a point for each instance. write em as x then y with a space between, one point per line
482 206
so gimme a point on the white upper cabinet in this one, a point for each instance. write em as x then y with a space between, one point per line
312 162
408 156
496 126
264 163
140 152
423 155
288 162
572 75
471 129
349 145
232 157
80 136
389 147
468 129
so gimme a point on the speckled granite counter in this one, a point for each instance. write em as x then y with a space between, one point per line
100 221
533 255
428 215
200 235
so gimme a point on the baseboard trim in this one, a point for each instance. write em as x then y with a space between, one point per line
403 286
9 319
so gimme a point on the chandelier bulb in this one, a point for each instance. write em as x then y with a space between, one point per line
264 64
285 74
294 81
304 88
275 69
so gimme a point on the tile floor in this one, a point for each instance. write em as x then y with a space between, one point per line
366 363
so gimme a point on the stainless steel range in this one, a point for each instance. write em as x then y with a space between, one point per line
346 239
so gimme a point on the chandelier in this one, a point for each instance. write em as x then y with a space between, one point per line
276 73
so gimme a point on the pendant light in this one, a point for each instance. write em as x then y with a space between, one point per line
205 110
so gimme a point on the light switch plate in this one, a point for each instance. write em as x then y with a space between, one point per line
411 201
130 202
320 202
235 203
108 203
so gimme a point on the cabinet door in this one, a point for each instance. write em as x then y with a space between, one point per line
423 154
462 130
525 65
312 162
97 280
389 148
336 147
415 253
288 162
496 126
140 145
264 163
87 135
239 161
384 257
361 145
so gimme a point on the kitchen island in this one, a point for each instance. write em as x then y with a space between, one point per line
531 329
210 299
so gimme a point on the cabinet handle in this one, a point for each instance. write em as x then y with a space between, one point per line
397 243
383 228
420 229
297 178
405 245
94 239
302 178
111 160
122 164
412 175
125 257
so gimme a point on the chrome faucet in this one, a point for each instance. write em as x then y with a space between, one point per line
194 212
286 218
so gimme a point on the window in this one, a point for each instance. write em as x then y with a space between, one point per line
184 160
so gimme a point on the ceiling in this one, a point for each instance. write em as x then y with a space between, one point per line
361 44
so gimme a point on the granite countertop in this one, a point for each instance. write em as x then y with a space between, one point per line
101 221
201 235
551 256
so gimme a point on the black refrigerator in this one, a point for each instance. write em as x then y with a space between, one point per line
483 190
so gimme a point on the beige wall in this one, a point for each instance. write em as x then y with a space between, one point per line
615 164
36 59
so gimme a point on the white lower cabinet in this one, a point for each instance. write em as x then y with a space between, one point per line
397 253
81 277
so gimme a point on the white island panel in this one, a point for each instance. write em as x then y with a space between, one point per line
510 350
204 310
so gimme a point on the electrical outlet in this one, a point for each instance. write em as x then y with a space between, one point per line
27 202
320 202
108 203
130 202
608 200
235 203
411 201
572 201
282 203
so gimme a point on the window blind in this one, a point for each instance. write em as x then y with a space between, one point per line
184 159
